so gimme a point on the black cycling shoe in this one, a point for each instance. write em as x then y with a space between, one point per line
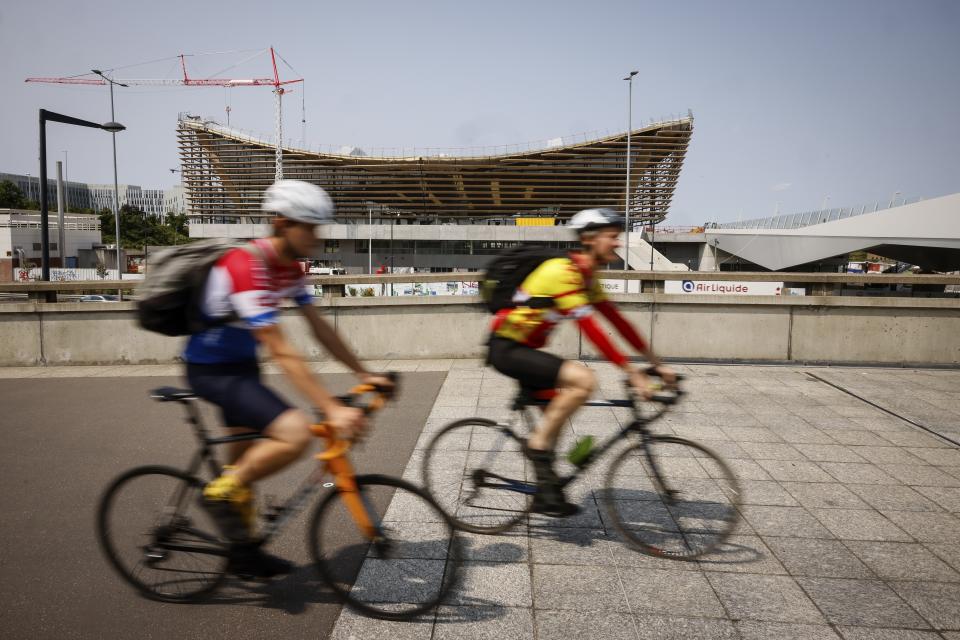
549 499
250 561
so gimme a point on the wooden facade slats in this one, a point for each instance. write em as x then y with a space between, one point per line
225 176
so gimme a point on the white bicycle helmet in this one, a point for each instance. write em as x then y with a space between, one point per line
593 219
300 201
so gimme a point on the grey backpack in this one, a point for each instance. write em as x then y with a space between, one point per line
169 298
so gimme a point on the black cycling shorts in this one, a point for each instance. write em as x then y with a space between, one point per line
532 368
243 399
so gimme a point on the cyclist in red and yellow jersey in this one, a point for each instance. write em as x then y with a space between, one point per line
565 288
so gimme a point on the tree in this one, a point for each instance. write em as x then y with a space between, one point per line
11 197
138 229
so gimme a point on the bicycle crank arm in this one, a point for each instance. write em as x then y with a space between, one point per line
480 481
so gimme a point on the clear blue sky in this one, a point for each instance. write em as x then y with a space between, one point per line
793 101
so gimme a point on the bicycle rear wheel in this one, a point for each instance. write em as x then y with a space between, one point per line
476 471
672 498
406 570
158 537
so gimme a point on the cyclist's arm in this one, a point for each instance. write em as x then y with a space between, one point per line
611 313
331 340
295 367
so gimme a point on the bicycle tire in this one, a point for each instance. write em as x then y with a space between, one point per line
415 561
459 455
179 542
682 506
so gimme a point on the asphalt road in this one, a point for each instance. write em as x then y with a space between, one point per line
65 439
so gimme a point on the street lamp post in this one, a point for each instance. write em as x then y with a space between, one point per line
116 188
66 180
45 116
626 203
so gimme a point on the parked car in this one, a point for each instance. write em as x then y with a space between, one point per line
98 297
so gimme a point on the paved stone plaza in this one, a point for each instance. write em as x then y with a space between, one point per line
850 524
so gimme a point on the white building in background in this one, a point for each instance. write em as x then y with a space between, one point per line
20 240
82 195
175 200
150 201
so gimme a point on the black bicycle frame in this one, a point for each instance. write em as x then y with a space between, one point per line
637 425
282 512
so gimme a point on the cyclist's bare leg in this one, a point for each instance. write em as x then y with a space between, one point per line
575 383
289 436
236 449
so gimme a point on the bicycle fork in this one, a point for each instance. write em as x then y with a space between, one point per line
358 505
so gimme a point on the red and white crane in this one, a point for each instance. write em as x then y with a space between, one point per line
279 89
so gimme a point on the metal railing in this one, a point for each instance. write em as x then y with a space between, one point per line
816 284
809 218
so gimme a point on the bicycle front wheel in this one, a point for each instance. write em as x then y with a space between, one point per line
158 537
672 497
405 569
476 471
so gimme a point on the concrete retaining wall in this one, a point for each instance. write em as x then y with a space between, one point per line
803 329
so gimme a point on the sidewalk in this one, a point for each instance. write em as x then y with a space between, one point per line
851 523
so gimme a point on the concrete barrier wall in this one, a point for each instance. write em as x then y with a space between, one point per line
775 329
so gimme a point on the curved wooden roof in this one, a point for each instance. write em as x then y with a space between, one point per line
225 174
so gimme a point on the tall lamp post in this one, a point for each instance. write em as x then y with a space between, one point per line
626 203
116 188
45 116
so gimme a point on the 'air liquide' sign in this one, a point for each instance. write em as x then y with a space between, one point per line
723 287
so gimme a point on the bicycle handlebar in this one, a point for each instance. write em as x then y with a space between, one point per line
663 397
337 447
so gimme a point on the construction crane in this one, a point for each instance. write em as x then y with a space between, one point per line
279 89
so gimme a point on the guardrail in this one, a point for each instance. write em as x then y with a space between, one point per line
823 284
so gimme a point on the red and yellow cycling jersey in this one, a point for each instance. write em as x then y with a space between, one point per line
555 290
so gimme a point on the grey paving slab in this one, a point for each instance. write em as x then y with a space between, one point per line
650 627
867 603
657 592
584 625
860 524
354 626
868 633
947 497
829 452
818 495
922 475
899 561
858 438
573 546
578 588
893 498
852 472
772 451
795 471
887 455
818 558
743 554
784 521
492 584
752 630
766 493
949 553
927 527
938 602
767 598
512 546
482 623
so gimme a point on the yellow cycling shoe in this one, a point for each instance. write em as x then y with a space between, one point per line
232 502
